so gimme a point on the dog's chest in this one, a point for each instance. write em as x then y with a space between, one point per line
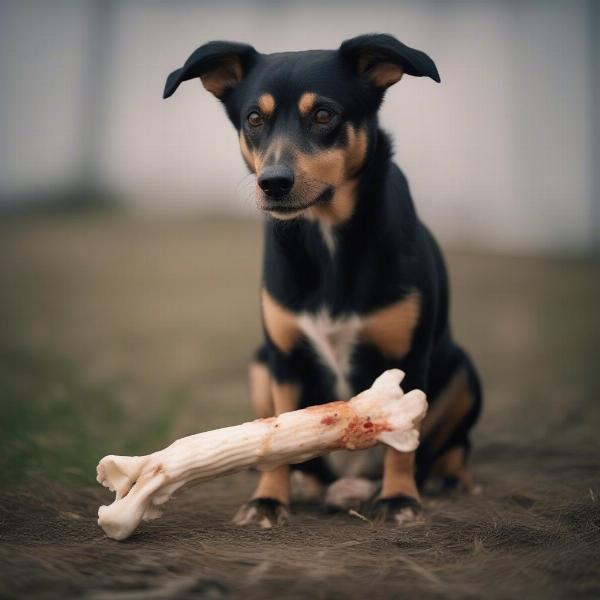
334 340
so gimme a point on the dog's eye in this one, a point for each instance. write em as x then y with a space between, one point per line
254 119
322 116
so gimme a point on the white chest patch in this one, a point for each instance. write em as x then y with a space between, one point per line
327 233
334 341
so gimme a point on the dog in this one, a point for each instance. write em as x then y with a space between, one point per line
353 283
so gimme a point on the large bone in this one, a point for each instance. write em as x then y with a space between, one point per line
142 484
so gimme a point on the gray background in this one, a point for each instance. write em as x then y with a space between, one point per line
502 154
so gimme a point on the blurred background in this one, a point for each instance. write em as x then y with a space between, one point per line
503 154
129 255
130 252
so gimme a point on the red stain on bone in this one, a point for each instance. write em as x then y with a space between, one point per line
329 420
361 433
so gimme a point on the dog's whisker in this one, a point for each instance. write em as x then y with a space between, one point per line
245 180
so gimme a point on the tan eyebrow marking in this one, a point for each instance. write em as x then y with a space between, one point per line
266 103
306 103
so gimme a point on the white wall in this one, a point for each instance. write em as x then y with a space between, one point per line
499 154
42 55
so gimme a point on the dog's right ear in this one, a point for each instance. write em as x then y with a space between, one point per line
220 66
381 60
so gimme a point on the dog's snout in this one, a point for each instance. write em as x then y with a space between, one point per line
276 181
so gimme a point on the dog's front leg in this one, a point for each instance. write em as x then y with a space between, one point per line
269 505
399 500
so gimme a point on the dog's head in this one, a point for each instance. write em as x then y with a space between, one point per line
304 119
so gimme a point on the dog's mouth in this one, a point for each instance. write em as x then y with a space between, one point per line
288 207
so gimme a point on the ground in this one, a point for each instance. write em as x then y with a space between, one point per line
119 335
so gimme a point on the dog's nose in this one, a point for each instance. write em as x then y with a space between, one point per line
276 181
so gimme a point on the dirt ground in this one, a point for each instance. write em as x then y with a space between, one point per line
119 335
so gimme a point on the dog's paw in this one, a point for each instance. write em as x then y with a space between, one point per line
455 485
305 488
399 509
262 512
452 485
349 493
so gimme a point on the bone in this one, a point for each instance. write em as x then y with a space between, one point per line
142 484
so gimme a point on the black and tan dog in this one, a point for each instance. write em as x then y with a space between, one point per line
353 283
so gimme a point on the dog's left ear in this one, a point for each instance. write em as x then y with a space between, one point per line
219 65
381 60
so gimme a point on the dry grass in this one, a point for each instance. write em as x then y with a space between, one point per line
120 335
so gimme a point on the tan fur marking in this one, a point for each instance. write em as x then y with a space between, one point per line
344 201
391 328
340 207
336 168
399 474
385 74
381 74
248 156
253 160
325 167
356 149
224 76
259 379
266 103
276 483
306 103
280 323
285 397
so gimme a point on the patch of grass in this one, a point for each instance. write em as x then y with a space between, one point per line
56 426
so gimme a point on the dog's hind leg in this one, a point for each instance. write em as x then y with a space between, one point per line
444 452
451 472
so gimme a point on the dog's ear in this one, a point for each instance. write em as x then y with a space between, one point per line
381 60
220 66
